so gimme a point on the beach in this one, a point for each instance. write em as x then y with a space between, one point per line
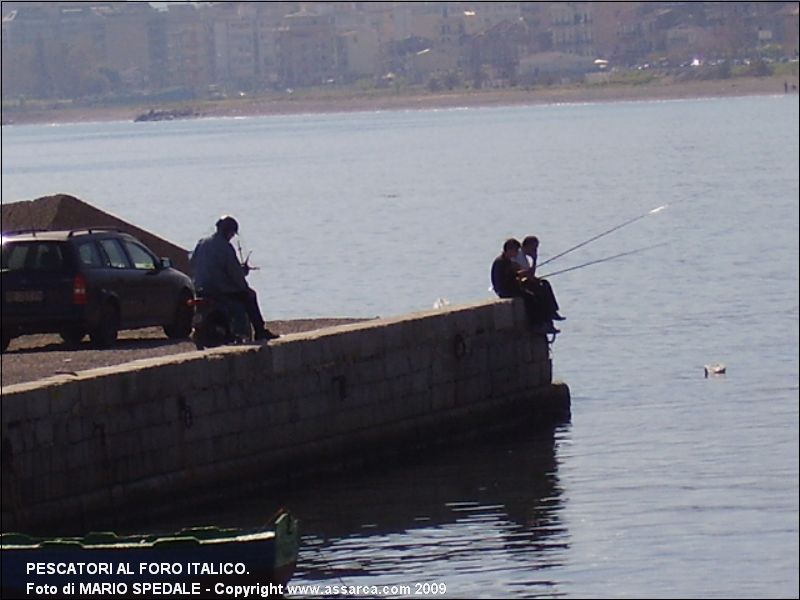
318 101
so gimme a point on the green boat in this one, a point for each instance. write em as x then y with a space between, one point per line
201 562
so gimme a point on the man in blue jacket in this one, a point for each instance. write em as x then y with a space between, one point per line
217 272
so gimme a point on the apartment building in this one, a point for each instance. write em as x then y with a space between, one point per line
189 52
306 49
234 44
572 27
480 17
358 54
621 31
128 30
48 49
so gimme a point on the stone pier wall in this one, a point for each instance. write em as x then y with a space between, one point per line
154 431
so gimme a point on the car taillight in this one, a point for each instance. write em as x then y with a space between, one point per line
79 289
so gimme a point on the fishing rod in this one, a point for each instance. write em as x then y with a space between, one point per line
602 260
244 261
598 236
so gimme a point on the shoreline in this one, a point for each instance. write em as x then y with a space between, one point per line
343 101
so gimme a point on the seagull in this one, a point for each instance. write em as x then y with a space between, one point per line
440 303
714 369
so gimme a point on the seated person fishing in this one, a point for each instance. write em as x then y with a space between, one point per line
538 287
510 280
217 272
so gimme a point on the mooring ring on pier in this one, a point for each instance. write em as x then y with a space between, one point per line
459 346
340 384
185 412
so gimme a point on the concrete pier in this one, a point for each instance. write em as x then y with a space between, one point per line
124 438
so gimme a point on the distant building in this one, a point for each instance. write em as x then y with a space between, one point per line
26 69
358 54
481 17
189 50
784 26
572 27
306 49
494 54
554 67
622 31
26 25
234 28
127 43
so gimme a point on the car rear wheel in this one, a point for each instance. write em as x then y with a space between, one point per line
181 327
105 333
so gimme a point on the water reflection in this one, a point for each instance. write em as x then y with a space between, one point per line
484 519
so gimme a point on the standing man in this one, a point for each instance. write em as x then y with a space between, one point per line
217 272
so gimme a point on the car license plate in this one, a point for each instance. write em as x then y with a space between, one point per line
25 296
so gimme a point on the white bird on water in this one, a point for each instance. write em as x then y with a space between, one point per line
440 303
714 369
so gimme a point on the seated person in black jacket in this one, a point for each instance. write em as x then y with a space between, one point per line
509 281
505 269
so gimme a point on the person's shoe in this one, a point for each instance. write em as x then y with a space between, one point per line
558 317
545 328
265 335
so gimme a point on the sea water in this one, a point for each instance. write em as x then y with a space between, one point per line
665 483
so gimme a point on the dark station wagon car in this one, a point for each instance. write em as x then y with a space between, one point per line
89 281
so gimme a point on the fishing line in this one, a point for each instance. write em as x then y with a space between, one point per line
602 260
598 236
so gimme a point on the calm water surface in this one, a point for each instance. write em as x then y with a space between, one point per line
665 484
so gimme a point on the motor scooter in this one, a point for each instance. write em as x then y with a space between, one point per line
218 321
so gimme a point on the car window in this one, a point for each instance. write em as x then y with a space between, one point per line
32 256
141 258
14 256
90 256
115 253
